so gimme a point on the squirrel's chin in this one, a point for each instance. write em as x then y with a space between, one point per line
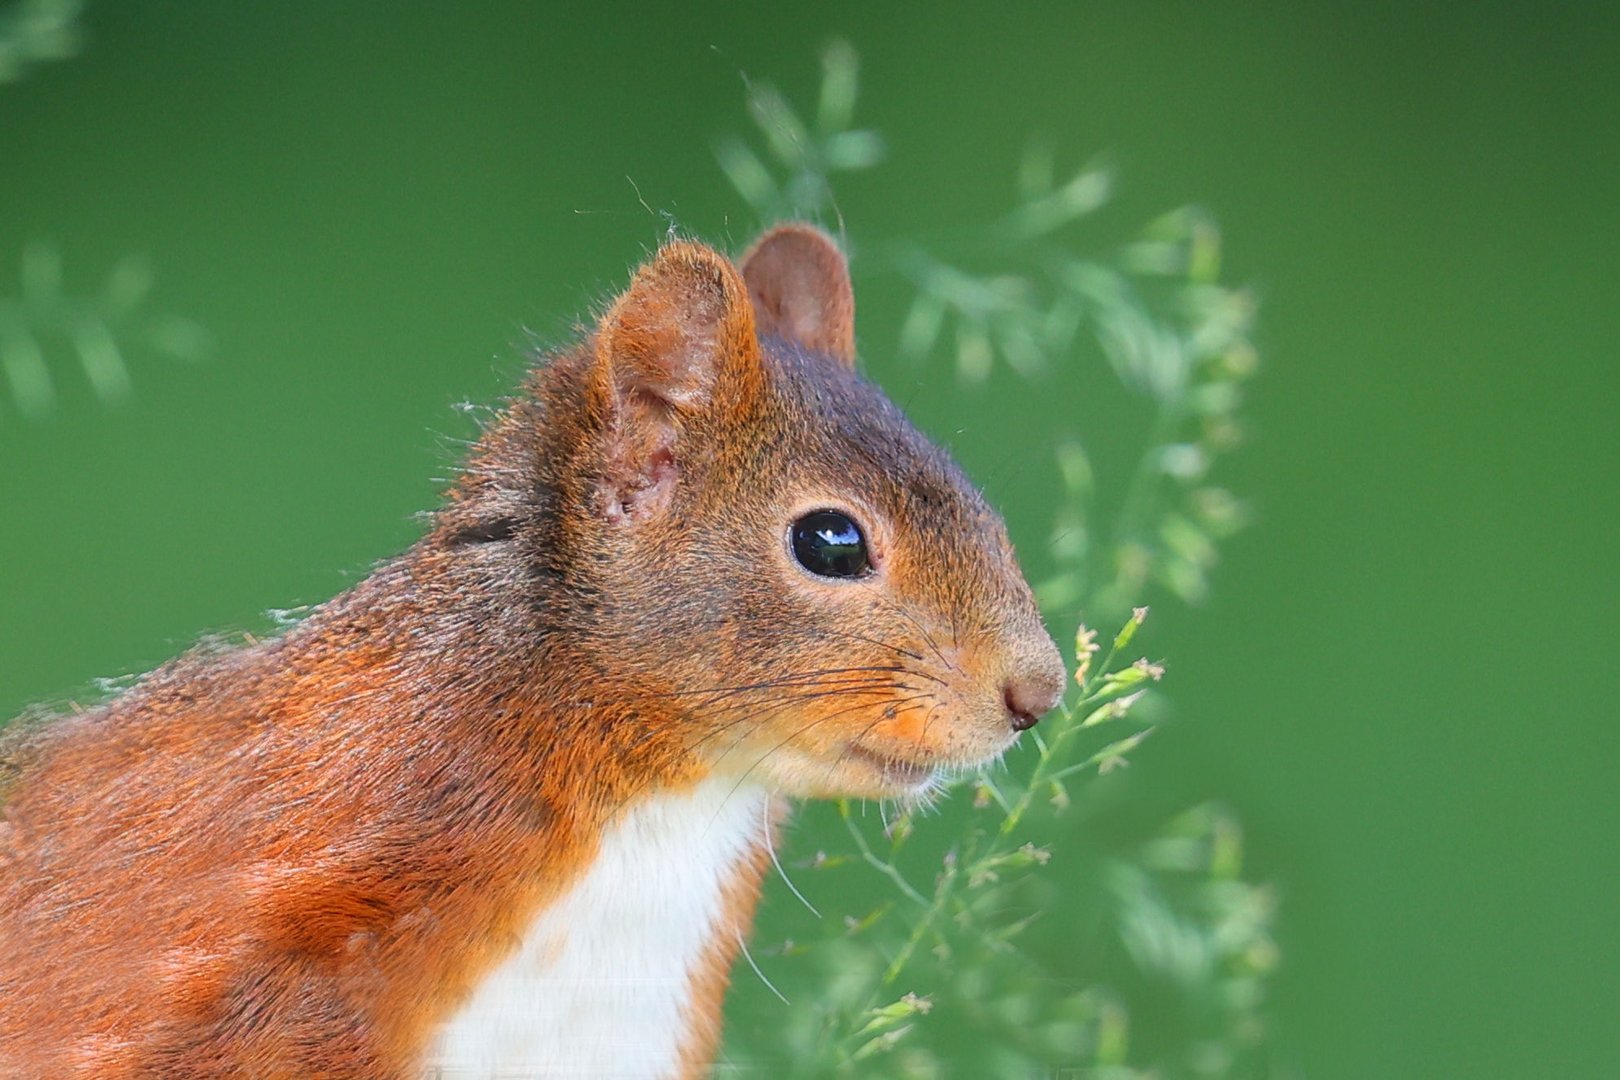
905 776
853 773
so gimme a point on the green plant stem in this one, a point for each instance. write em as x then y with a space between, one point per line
887 869
942 895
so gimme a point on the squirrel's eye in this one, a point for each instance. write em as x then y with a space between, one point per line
830 544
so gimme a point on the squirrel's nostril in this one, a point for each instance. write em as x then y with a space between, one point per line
1023 717
1028 699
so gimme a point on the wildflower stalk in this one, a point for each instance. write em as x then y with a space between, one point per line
887 869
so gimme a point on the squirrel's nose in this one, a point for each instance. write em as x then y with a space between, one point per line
1032 692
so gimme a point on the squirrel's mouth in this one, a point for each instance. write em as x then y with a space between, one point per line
897 771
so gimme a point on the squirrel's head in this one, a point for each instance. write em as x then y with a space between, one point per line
753 543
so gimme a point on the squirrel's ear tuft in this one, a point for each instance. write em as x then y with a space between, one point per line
798 281
681 337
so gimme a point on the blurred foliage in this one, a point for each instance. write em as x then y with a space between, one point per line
36 31
42 325
949 924
789 174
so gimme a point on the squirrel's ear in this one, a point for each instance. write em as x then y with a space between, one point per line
798 281
680 338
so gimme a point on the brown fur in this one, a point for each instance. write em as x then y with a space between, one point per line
295 857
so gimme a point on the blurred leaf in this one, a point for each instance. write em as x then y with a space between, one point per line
29 378
746 173
35 32
840 80
44 325
852 150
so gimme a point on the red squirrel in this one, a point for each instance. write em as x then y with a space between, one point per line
504 807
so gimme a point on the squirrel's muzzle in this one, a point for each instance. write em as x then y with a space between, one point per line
1034 683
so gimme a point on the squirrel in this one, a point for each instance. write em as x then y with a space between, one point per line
504 808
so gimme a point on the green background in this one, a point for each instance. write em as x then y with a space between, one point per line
1404 681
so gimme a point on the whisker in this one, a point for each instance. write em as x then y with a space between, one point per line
770 846
929 719
781 704
750 958
775 707
796 679
927 637
794 735
801 691
873 641
843 755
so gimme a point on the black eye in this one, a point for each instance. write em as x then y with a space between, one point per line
830 544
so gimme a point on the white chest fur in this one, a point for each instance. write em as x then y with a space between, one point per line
601 985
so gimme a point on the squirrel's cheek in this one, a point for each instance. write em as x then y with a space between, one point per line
923 728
